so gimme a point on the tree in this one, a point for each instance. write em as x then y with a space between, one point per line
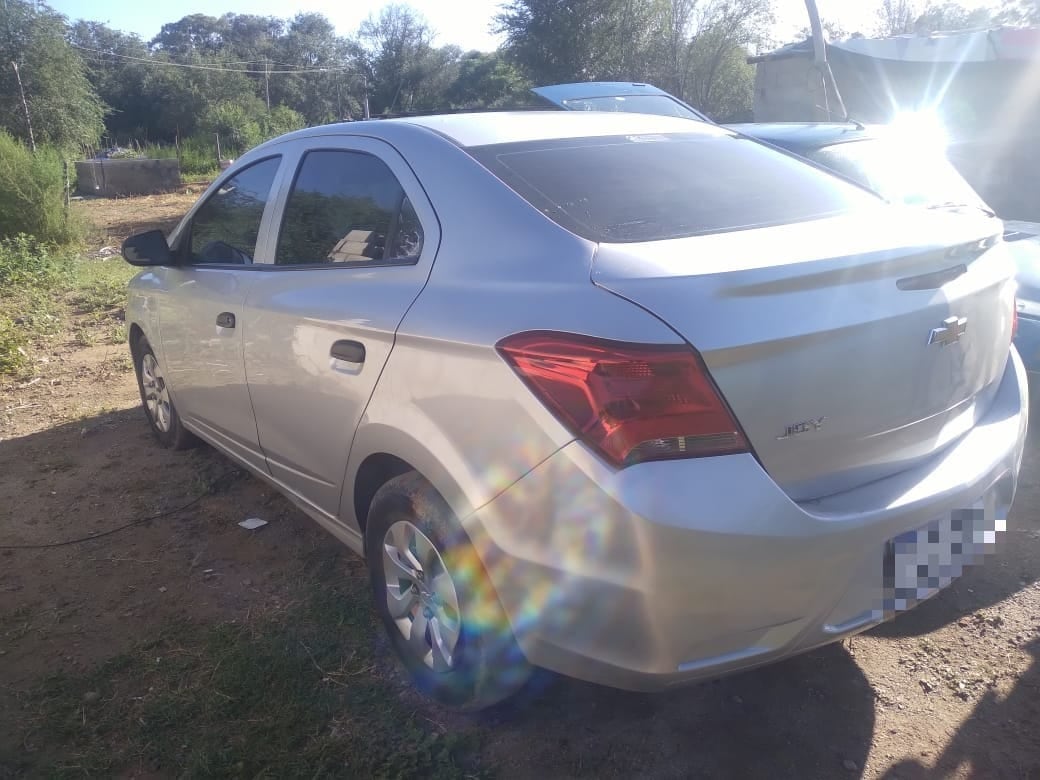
1023 12
397 47
581 40
330 92
63 107
118 81
938 17
718 55
834 31
486 80
195 34
896 17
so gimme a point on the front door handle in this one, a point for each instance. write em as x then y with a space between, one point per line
225 320
348 351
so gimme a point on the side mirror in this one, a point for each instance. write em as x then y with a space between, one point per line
149 248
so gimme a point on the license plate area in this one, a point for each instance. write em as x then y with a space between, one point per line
920 563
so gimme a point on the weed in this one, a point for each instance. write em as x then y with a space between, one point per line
85 337
100 285
290 695
117 334
12 347
25 263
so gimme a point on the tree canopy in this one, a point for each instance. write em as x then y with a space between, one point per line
247 77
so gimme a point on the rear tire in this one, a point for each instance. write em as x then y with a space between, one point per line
436 602
155 399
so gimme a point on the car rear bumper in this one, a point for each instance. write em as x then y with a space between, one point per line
667 572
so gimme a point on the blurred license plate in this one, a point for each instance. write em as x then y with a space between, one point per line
920 563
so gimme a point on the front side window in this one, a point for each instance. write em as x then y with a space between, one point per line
347 207
226 226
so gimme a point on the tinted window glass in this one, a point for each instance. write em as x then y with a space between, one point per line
408 238
342 209
901 173
632 104
653 187
225 228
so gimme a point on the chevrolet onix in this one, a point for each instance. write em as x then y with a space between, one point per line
628 397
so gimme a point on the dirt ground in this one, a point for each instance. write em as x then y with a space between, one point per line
951 689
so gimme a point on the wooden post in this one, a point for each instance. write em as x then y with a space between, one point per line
25 105
217 136
68 186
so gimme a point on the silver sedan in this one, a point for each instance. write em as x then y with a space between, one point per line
630 398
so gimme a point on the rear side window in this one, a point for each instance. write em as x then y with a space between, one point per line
225 227
347 207
649 188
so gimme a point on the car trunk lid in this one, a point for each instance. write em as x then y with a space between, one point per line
848 351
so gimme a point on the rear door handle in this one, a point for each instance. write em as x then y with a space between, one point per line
225 320
348 351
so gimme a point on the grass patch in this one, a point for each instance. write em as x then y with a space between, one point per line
13 342
294 694
31 278
100 285
42 288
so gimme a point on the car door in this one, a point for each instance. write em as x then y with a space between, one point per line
200 315
354 248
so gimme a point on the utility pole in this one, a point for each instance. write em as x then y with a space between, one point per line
25 105
267 83
365 79
820 60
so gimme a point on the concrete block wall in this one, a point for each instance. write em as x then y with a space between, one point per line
116 178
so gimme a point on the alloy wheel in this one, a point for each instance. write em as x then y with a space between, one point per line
421 596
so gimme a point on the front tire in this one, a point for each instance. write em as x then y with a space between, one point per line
433 595
155 398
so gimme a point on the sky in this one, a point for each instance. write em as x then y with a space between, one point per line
461 22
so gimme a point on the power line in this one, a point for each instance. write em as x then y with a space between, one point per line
150 61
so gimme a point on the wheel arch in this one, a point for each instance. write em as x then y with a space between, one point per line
381 452
135 337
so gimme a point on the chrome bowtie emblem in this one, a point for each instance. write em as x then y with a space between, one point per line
951 331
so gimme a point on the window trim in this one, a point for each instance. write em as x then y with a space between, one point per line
391 233
182 252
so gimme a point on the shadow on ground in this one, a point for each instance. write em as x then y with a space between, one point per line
812 716
990 740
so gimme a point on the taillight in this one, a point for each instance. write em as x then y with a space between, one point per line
631 402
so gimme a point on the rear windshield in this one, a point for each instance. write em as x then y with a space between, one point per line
662 105
653 187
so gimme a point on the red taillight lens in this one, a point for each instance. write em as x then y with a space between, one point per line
631 402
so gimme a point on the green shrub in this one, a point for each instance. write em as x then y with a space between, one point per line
198 156
26 264
32 194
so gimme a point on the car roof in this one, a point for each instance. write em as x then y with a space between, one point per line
805 135
480 129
